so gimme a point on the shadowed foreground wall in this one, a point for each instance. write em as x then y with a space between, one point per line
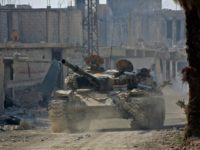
1 85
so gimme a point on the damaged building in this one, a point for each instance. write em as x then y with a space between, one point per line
161 30
147 33
30 39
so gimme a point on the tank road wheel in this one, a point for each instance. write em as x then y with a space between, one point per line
57 115
150 115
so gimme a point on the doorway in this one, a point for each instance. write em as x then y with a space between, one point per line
8 76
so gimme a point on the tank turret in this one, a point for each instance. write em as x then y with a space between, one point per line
98 83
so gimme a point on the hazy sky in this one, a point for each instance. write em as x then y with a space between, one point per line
64 3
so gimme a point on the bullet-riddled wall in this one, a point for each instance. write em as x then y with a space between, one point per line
42 25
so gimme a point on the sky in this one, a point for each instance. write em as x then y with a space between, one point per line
63 3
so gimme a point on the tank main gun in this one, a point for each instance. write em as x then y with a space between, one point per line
93 80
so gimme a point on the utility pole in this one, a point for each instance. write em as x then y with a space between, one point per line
48 3
90 49
90 26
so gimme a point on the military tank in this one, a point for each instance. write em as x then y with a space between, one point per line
104 96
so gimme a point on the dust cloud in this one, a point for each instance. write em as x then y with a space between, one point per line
174 115
178 91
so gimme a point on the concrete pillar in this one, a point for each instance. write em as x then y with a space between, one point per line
182 29
173 32
176 70
164 63
167 69
2 94
171 69
158 72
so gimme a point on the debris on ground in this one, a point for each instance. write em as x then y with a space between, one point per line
9 120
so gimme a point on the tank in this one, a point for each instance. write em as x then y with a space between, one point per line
106 95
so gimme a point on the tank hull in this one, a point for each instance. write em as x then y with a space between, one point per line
80 108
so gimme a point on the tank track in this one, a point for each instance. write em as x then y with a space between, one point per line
57 115
147 112
150 114
68 116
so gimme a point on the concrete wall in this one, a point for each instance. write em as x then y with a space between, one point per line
1 85
105 25
29 69
32 26
30 66
42 25
142 20
25 70
74 33
53 26
3 27
153 27
144 27
120 31
32 54
124 7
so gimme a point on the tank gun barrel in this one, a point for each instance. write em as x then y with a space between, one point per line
94 81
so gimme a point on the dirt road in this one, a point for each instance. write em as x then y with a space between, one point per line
103 135
43 140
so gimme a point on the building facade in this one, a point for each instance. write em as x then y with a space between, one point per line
41 25
29 40
165 27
